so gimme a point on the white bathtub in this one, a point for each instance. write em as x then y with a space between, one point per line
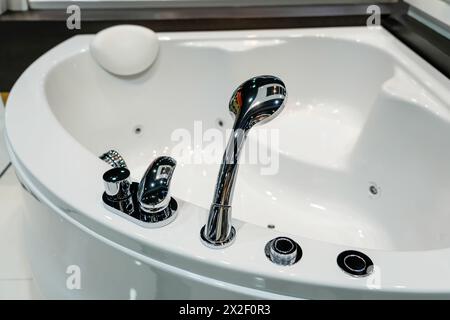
363 111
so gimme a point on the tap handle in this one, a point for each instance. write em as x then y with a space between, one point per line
154 189
117 183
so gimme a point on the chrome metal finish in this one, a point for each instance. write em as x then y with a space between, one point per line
114 159
283 251
117 183
148 203
256 101
153 191
118 189
130 210
215 244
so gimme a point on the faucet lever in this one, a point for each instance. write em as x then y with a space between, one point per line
114 159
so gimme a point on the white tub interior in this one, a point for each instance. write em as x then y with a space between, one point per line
349 124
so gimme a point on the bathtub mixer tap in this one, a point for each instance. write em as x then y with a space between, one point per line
256 101
148 203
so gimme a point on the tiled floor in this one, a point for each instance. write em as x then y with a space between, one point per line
16 281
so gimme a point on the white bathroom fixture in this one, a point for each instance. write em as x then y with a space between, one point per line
357 186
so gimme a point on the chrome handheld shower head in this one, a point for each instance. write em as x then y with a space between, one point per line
256 101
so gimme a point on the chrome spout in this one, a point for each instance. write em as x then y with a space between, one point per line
154 189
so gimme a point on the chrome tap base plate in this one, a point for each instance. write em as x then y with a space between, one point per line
215 244
130 210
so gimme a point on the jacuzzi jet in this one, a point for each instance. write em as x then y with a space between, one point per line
374 190
138 130
220 122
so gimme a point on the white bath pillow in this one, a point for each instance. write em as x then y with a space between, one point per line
125 50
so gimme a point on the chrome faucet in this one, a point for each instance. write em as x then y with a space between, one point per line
256 101
153 192
148 203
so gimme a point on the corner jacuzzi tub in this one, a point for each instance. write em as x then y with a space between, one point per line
363 164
